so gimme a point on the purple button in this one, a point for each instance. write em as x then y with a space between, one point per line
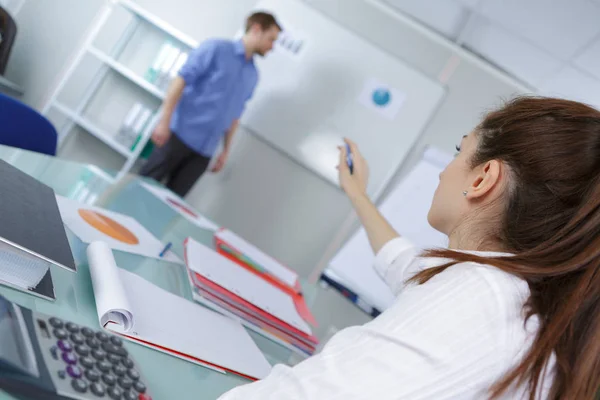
69 358
74 371
64 345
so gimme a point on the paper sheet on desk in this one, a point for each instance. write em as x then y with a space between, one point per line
180 206
169 323
119 231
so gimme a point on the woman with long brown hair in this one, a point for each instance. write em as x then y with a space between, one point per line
511 309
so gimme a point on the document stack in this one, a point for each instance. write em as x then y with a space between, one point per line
267 302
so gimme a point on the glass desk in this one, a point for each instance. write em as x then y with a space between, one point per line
167 377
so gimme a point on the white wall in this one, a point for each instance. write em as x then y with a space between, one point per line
282 207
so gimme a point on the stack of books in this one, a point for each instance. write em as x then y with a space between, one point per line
240 281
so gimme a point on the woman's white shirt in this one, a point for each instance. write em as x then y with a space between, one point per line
451 338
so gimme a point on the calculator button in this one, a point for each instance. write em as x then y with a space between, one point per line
79 385
99 354
92 375
98 389
113 358
93 343
127 362
69 358
101 336
116 341
62 374
82 350
109 379
130 395
87 332
114 393
60 333
87 362
71 327
111 348
55 322
74 371
104 366
133 374
144 396
119 370
64 345
125 383
77 338
139 386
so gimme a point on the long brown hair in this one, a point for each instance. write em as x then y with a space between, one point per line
551 224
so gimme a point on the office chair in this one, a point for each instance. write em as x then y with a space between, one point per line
8 33
23 127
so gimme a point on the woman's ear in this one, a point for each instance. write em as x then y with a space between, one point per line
487 177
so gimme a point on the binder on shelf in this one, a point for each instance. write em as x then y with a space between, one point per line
154 69
139 126
163 77
183 56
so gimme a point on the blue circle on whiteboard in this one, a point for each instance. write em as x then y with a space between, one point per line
382 97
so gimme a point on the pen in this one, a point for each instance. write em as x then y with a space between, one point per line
349 158
164 251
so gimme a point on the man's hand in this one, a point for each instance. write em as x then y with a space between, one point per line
220 162
161 134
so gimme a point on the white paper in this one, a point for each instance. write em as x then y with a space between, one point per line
163 319
20 268
245 284
406 208
112 304
148 245
182 207
259 257
381 98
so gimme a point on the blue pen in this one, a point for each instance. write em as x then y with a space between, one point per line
167 247
349 158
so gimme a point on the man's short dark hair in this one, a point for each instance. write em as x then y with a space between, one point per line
263 19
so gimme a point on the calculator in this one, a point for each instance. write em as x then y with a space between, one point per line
44 357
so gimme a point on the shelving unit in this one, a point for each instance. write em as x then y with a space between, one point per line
127 73
110 66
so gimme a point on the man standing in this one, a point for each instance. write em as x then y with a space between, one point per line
204 103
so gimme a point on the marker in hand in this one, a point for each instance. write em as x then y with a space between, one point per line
167 247
349 158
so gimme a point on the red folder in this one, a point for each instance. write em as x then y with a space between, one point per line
295 292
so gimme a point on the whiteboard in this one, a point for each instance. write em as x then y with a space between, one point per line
406 209
314 90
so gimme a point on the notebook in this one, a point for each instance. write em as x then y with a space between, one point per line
257 257
267 268
32 235
142 312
